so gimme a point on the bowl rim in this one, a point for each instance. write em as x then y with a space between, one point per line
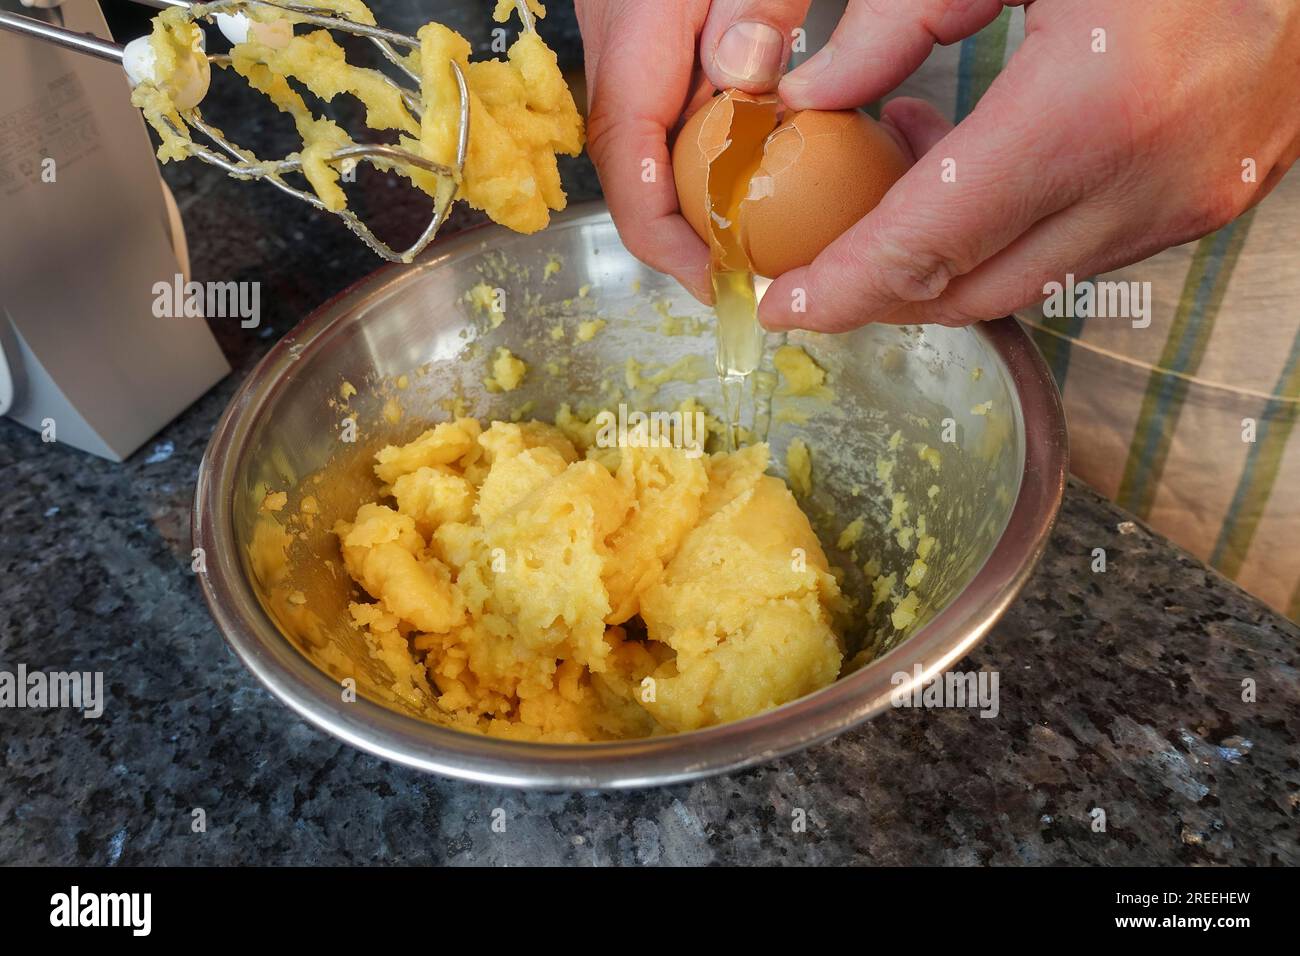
369 726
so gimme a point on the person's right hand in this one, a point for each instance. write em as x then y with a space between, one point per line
642 78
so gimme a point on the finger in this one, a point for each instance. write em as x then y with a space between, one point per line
877 45
628 134
916 125
703 95
646 214
1018 276
968 197
746 43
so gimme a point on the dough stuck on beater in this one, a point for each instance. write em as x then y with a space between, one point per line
522 113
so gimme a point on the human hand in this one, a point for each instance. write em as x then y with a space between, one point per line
643 76
1075 160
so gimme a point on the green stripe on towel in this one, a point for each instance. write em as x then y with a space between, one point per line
1263 462
1203 292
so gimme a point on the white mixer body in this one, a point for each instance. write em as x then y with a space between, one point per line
84 239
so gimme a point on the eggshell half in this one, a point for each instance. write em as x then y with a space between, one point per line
704 137
821 173
691 160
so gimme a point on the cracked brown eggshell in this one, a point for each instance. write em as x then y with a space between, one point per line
821 171
703 139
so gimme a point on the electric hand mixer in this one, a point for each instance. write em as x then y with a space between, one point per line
233 18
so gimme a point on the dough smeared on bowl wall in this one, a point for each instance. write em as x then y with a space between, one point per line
524 586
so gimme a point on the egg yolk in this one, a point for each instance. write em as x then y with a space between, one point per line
730 176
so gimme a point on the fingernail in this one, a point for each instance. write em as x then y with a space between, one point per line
808 71
750 53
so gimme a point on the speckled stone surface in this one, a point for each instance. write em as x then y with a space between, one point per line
1120 690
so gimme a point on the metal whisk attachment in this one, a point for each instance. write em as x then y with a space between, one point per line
241 163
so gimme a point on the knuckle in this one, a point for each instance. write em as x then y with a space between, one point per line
1218 209
601 128
971 301
913 261
609 125
909 273
1212 211
951 315
636 242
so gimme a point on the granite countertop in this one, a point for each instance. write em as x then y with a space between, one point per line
1120 690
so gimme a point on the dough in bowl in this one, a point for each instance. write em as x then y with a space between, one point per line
522 582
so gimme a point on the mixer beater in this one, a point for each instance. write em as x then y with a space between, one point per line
270 22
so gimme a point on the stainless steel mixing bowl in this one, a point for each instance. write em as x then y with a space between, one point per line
991 505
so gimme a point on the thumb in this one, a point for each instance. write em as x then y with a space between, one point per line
745 44
878 44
